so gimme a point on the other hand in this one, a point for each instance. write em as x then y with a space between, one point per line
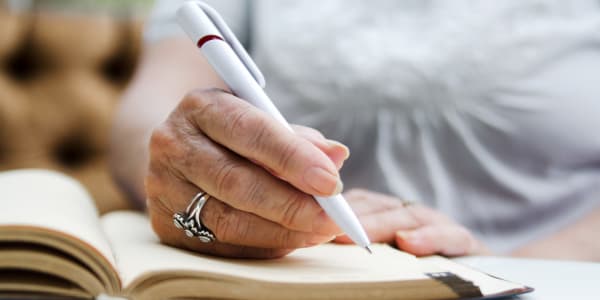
413 228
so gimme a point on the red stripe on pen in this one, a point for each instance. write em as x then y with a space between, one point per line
207 38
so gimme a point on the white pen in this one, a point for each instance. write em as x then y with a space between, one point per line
233 64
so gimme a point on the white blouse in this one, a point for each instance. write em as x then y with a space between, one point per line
485 110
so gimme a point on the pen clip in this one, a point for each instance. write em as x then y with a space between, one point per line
230 38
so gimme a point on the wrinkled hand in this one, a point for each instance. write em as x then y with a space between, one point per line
258 173
412 228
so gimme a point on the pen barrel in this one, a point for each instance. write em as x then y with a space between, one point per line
338 209
237 77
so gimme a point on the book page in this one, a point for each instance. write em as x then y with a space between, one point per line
139 252
52 201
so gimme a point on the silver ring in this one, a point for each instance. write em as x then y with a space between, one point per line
190 222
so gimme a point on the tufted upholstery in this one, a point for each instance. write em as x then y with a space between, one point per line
60 78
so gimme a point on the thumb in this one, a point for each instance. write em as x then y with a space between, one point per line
336 151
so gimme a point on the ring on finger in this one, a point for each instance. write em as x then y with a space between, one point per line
190 221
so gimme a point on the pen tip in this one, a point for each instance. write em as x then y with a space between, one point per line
369 249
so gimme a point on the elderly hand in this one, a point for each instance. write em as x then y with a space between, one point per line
413 228
259 175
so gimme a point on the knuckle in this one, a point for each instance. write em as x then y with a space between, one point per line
243 125
254 198
164 142
198 98
253 131
229 227
161 139
166 152
227 178
286 239
287 155
294 206
198 106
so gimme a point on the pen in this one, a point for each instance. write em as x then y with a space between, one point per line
233 64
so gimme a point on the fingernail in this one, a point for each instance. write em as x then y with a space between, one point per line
323 181
337 144
339 187
402 234
408 236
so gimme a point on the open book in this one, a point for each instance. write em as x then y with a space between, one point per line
52 242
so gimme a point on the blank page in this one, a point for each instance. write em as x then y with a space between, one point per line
50 200
139 252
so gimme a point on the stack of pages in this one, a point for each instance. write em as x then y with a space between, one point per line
52 242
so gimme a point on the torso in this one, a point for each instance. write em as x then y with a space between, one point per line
485 110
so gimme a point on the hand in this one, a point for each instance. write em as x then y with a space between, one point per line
258 173
412 228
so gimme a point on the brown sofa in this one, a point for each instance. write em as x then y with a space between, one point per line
60 79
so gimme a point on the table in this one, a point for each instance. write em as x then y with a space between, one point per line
551 279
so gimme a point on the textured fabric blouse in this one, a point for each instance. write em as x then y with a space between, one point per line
486 110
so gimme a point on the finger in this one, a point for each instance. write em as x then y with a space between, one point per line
170 235
239 183
365 202
449 240
336 151
237 227
253 134
382 227
231 226
427 215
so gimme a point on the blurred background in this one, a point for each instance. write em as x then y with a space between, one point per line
63 65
